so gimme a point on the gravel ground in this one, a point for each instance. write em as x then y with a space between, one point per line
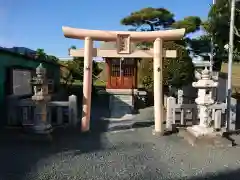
132 154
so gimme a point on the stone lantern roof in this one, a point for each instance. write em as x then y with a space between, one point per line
40 70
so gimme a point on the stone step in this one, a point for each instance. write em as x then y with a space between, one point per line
123 98
116 106
119 102
125 117
119 113
121 107
122 102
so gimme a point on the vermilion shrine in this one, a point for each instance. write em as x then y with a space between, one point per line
122 69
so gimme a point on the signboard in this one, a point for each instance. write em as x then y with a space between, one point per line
123 44
20 82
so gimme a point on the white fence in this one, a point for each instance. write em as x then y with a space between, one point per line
187 114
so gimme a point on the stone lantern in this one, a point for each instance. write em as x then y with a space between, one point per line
40 98
205 84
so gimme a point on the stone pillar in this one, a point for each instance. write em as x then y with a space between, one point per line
170 117
73 110
158 86
87 85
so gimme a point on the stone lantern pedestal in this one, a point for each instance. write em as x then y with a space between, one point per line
41 125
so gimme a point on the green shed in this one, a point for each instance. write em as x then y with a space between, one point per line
15 72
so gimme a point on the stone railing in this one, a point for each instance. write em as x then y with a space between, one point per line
179 114
21 111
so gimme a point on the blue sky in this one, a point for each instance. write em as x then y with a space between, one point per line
38 23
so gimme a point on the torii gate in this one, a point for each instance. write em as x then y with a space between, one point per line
123 39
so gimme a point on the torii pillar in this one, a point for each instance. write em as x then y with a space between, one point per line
158 85
87 85
123 41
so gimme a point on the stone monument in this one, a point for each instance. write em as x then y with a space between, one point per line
40 98
205 84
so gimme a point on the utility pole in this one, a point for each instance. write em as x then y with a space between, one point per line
230 61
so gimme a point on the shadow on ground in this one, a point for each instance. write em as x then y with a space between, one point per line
231 175
21 152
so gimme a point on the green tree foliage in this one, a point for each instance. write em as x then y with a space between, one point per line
190 23
66 75
73 47
217 24
40 53
217 27
179 71
176 72
75 69
200 45
152 19
53 58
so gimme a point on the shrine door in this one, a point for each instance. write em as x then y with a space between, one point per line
122 74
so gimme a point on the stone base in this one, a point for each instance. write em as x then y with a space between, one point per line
155 133
122 91
198 131
213 139
40 128
126 117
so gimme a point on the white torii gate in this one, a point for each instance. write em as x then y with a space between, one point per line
123 39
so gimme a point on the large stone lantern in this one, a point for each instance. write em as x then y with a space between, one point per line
40 98
204 100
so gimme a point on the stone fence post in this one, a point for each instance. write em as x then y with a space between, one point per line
73 120
170 116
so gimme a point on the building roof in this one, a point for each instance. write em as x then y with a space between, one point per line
21 50
6 51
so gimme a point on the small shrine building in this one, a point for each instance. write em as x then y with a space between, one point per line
121 69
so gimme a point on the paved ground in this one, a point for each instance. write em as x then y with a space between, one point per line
133 154
121 155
